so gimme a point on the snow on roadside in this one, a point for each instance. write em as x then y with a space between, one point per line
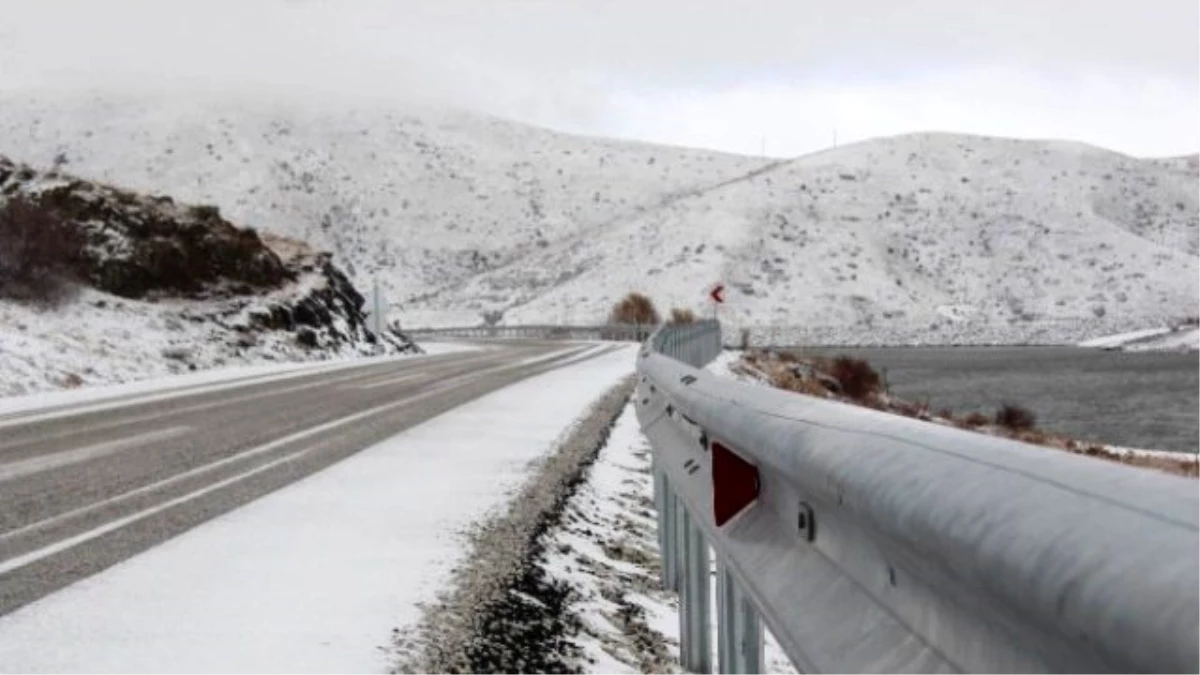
1176 341
102 339
1119 339
314 577
1151 339
606 549
723 366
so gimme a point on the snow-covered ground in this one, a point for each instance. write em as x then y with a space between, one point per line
1121 339
1181 340
99 339
606 548
314 577
1151 339
929 238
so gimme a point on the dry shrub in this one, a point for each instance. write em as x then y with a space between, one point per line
910 409
784 378
634 308
39 252
1033 436
1015 418
976 420
679 315
857 377
946 413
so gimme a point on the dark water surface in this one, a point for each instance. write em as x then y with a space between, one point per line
1141 400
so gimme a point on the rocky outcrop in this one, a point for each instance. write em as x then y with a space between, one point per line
330 313
135 245
151 248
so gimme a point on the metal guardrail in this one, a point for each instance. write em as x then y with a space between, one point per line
878 543
618 332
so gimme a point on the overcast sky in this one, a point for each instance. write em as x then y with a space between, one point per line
1122 74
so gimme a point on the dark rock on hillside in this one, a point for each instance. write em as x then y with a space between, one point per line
136 245
328 314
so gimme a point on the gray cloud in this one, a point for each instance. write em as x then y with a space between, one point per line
704 72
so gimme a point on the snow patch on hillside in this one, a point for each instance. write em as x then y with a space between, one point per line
99 338
425 198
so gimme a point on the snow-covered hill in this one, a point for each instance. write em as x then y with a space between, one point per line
463 214
427 197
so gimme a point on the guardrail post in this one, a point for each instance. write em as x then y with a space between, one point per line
739 630
664 499
695 648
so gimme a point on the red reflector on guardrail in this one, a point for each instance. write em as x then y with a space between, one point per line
735 483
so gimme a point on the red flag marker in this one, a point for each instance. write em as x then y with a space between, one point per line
717 294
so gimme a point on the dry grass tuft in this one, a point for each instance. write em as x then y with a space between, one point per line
1015 418
976 420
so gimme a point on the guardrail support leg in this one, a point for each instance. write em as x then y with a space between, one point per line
695 646
664 504
739 630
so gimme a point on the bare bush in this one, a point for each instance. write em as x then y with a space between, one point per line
634 308
39 253
679 315
975 420
857 377
1014 417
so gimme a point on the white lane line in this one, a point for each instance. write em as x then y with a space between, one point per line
32 465
34 556
71 542
587 354
191 473
562 353
184 410
383 383
19 417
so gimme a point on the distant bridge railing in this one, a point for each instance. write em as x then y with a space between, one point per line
617 332
870 542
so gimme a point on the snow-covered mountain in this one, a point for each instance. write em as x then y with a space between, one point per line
462 214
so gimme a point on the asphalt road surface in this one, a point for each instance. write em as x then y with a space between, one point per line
84 487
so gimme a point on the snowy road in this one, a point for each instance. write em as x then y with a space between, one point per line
86 486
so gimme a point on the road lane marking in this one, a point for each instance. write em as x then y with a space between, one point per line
381 383
40 463
31 415
198 408
84 537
